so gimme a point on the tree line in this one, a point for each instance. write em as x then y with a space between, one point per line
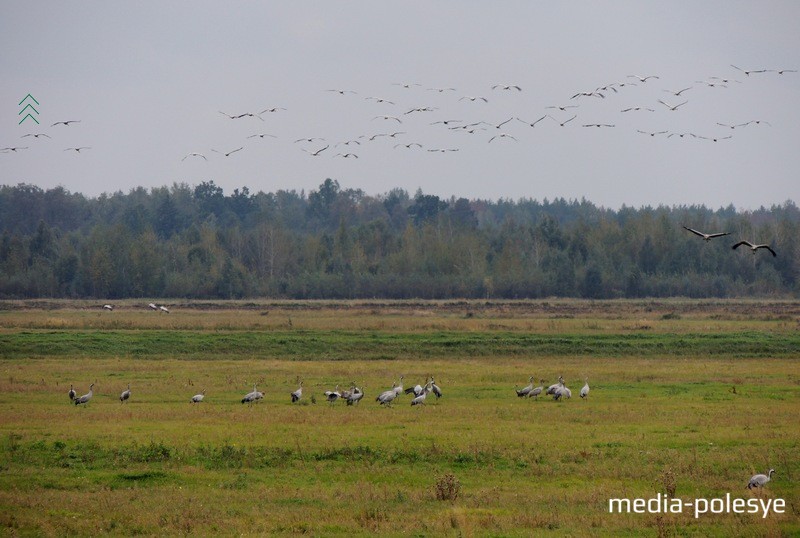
334 242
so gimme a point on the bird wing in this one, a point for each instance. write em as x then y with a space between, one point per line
768 248
694 232
720 234
749 244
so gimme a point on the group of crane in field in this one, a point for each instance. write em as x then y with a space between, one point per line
351 396
558 390
354 394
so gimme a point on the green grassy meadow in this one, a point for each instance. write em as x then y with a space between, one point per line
690 397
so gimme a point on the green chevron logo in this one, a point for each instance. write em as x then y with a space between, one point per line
28 106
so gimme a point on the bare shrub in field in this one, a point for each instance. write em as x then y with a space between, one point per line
668 481
447 487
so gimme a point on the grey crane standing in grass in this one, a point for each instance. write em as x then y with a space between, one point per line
524 391
126 394
86 397
355 395
537 391
253 396
296 395
585 389
398 389
562 391
197 398
387 397
71 393
553 388
435 388
760 480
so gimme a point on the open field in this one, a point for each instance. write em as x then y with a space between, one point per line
687 397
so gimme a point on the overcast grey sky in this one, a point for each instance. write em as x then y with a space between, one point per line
147 80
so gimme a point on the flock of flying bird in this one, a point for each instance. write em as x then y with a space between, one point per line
36 136
753 247
495 131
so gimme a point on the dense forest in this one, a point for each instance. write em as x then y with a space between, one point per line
197 242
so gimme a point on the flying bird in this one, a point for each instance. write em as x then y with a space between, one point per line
677 93
406 84
503 135
672 107
474 98
446 122
317 152
565 122
14 149
705 236
194 154
342 92
395 118
641 78
229 153
651 133
443 150
440 90
563 108
308 139
637 108
273 109
782 71
77 150
408 146
262 135
747 72
713 139
507 87
65 122
346 155
535 122
36 135
588 94
379 100
499 124
420 109
245 115
753 247
597 125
